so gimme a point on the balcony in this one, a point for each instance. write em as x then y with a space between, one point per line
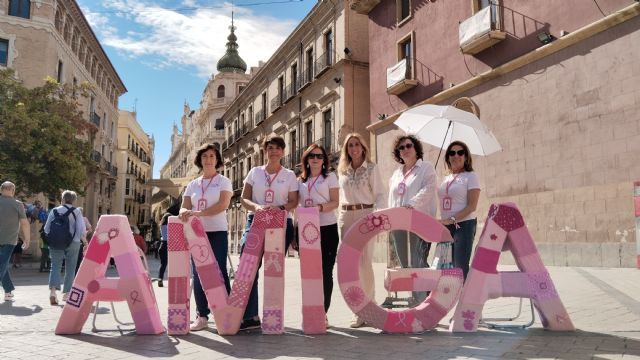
323 63
400 77
276 103
95 119
363 6
306 78
245 128
114 171
291 90
480 31
259 117
96 156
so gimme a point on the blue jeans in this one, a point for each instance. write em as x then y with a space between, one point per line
252 305
70 257
463 243
5 257
419 253
219 241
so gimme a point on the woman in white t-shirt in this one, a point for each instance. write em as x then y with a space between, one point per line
208 197
265 187
412 185
317 187
458 194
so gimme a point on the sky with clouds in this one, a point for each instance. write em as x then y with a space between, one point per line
165 51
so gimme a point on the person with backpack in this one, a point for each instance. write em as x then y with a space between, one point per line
45 260
65 230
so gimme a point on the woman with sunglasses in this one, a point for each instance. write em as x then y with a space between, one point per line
458 194
412 185
319 188
267 186
361 192
208 197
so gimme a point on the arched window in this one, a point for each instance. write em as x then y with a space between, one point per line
220 91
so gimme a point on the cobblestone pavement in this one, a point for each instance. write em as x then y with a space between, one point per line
603 304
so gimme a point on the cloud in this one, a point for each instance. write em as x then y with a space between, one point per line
186 37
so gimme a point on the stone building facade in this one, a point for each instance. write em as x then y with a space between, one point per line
53 38
135 161
559 86
314 89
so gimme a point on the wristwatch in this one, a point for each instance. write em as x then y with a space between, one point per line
281 207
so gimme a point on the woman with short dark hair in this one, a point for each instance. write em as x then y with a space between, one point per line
208 197
412 185
267 186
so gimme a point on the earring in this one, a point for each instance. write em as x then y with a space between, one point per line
323 166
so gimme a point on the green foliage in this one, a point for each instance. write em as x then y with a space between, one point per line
43 134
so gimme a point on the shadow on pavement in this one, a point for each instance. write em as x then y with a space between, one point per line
7 308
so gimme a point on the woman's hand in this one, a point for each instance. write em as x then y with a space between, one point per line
263 207
185 214
446 222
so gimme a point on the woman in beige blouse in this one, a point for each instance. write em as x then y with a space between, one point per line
361 193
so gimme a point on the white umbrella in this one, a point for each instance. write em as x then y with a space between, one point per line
438 125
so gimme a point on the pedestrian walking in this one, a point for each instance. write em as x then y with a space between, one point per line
361 193
458 194
163 251
208 197
65 230
12 220
412 185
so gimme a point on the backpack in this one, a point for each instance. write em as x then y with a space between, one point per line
60 237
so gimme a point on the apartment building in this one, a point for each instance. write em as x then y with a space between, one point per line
53 38
135 161
314 89
558 85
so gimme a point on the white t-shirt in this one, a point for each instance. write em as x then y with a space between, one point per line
458 191
212 191
320 187
282 184
419 188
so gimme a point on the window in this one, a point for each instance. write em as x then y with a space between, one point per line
328 126
308 132
250 119
403 10
281 88
4 52
220 91
263 100
20 8
328 47
405 51
309 58
481 4
294 77
60 67
240 88
293 144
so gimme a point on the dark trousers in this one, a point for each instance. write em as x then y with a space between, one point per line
162 252
45 260
329 240
252 305
463 243
219 244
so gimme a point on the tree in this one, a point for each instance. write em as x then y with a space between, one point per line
43 136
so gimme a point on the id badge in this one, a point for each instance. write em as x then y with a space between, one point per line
446 203
268 196
202 204
401 188
308 203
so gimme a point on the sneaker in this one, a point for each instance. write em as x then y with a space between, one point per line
8 296
357 323
199 324
249 324
326 322
160 283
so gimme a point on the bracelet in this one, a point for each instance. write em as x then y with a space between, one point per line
281 207
321 207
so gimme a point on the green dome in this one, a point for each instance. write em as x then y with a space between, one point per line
231 61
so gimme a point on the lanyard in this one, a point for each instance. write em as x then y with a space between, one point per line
268 177
451 182
310 185
202 183
404 178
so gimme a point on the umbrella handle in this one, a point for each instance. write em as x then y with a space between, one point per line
441 146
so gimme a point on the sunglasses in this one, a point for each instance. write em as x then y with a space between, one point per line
459 152
315 156
405 146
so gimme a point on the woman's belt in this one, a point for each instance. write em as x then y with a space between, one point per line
357 207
